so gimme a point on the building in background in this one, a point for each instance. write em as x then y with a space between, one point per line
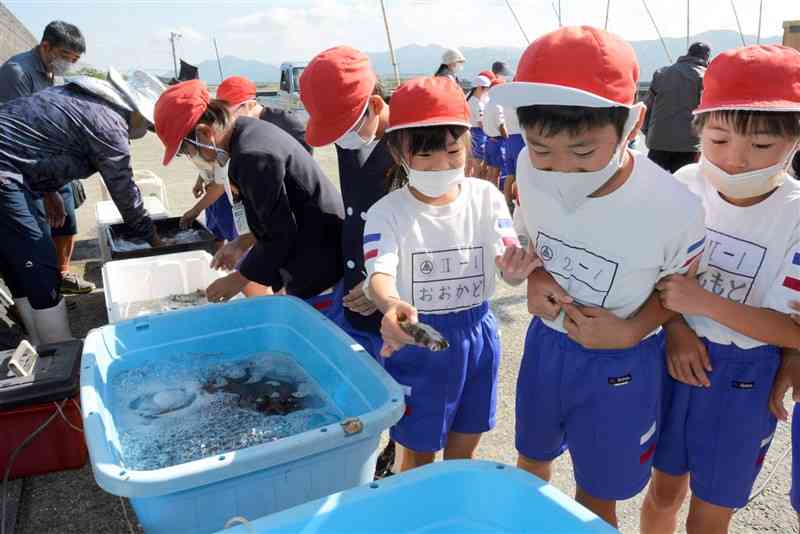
14 36
791 34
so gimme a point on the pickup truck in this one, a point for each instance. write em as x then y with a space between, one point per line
288 94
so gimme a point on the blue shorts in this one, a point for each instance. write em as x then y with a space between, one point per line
27 254
796 458
478 143
371 341
329 303
219 220
601 404
721 434
454 390
514 145
496 152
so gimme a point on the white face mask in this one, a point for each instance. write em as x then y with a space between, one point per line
747 184
221 160
60 66
352 140
458 67
434 183
572 189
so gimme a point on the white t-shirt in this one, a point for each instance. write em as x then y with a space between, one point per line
512 123
493 117
219 176
442 257
613 250
475 110
752 253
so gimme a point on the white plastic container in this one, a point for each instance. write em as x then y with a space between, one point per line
128 282
106 214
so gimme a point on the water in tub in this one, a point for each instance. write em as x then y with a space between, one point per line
178 410
179 237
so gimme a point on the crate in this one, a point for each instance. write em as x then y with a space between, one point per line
200 496
27 402
106 214
457 497
164 227
127 282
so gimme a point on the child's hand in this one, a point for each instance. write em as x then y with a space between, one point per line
516 264
545 295
788 377
199 188
188 218
394 338
598 328
356 301
682 294
228 256
795 305
687 357
226 287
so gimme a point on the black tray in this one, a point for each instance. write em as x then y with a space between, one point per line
164 228
55 377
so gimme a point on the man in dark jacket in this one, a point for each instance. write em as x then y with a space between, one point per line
22 75
46 140
674 94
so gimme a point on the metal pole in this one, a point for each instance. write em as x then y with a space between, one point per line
219 63
608 9
518 22
557 11
760 12
688 29
391 48
172 37
666 50
738 24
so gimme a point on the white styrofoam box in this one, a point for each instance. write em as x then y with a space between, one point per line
106 214
141 279
150 184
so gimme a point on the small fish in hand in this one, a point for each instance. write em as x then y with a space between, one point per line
424 335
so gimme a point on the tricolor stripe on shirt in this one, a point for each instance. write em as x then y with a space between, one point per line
372 252
695 250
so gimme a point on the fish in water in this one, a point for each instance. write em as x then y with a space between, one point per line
188 299
152 405
424 335
268 396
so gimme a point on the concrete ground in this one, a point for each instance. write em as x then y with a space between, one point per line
71 502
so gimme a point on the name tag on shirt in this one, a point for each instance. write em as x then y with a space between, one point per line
448 280
237 207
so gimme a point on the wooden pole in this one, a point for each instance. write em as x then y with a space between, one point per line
219 63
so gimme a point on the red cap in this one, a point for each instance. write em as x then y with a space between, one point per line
236 89
606 73
177 111
758 78
335 88
430 101
489 74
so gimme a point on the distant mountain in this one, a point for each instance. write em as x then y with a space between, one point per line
424 59
249 68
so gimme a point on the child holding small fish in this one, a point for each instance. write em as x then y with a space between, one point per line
431 249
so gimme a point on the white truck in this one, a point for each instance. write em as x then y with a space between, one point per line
288 94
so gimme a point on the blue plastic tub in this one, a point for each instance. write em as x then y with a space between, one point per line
200 496
458 497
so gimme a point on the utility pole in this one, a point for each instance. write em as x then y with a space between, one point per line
608 9
391 48
219 63
172 38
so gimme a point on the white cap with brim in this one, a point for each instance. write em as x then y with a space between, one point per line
520 94
139 93
141 90
481 81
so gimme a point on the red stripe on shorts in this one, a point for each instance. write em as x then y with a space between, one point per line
646 455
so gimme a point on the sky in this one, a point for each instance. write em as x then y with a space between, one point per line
132 34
